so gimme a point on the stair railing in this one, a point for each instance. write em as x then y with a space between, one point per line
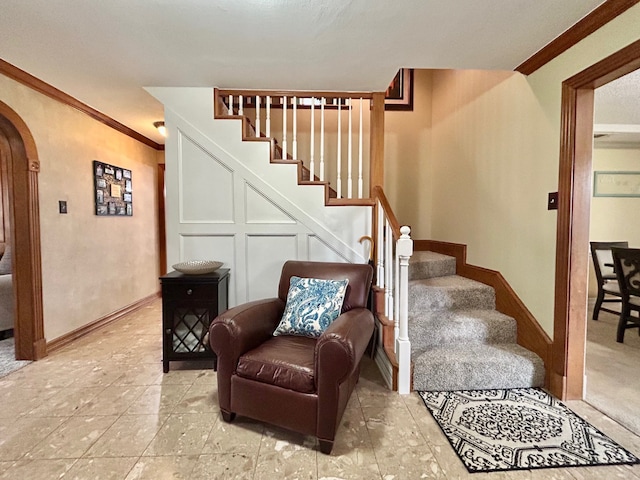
393 249
324 130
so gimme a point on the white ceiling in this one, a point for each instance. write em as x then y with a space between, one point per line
617 112
103 52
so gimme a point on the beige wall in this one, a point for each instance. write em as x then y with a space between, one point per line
408 159
91 265
495 149
613 218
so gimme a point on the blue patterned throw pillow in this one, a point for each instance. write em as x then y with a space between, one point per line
312 304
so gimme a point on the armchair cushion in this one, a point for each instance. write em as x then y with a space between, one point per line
286 361
312 305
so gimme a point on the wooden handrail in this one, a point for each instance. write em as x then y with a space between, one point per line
294 93
378 194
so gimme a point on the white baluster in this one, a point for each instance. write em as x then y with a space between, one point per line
295 128
380 246
257 116
388 271
322 102
284 127
241 107
230 107
339 164
404 250
312 164
349 156
360 154
268 116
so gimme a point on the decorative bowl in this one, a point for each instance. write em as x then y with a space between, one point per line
197 267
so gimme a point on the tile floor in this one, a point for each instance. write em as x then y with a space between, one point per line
102 409
613 383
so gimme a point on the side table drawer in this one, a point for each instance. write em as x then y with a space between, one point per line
191 292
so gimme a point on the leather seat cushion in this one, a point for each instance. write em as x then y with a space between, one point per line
286 361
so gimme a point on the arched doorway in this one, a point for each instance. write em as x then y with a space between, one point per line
574 197
19 150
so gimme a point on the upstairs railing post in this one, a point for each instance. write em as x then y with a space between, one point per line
404 250
376 139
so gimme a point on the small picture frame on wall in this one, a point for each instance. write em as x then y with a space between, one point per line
113 190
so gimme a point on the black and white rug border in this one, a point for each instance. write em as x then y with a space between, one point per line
520 468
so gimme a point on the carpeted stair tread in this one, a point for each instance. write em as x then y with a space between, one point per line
475 367
430 264
450 292
452 327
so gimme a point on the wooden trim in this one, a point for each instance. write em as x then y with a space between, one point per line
585 27
162 229
358 202
50 91
530 334
376 140
293 93
67 338
378 194
23 167
574 183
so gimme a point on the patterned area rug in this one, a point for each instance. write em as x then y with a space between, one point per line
8 362
519 429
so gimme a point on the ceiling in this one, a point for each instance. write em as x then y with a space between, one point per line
617 112
104 52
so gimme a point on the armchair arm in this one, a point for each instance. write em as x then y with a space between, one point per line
341 346
337 357
244 327
237 331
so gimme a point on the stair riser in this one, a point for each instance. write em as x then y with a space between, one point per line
437 376
433 332
423 297
432 269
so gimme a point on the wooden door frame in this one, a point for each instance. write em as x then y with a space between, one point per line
23 168
574 201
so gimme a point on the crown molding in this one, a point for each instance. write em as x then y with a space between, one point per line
602 15
50 91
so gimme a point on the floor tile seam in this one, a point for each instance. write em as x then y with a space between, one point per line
82 455
160 429
373 449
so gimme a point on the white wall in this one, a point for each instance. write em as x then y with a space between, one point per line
613 218
91 266
226 202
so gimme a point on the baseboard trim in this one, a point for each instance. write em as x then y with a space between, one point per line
67 338
530 333
385 367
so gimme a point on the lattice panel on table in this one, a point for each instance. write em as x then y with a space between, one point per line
190 325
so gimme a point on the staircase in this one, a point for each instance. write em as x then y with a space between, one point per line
459 341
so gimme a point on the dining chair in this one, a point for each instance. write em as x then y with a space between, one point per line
608 290
627 265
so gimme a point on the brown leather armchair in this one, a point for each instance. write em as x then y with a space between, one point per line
299 383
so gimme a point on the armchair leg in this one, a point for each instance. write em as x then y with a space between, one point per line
228 416
326 446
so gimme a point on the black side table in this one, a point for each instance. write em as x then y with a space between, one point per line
189 305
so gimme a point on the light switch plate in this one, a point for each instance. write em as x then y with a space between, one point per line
62 206
552 201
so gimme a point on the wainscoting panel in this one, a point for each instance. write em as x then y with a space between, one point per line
321 252
259 209
206 185
265 256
